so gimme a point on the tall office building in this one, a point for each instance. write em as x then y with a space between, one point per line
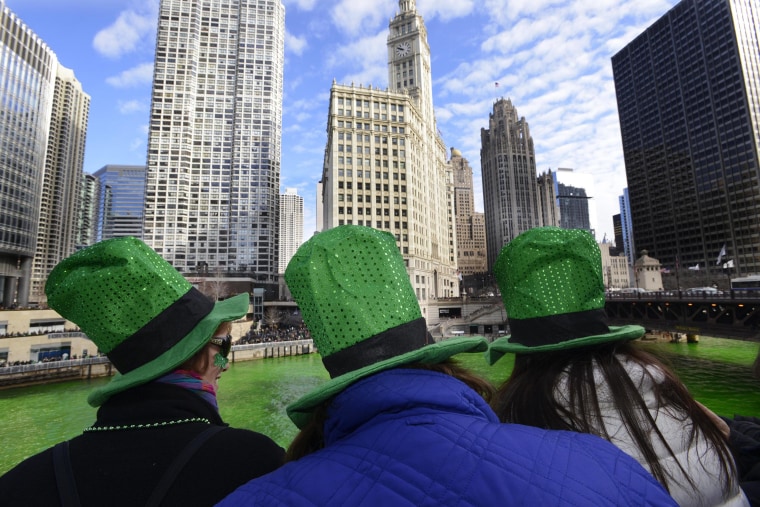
213 168
575 196
470 224
617 231
61 187
573 207
385 163
120 201
88 211
42 126
547 200
688 95
627 228
291 225
510 182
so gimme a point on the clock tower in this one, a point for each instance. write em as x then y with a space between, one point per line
409 58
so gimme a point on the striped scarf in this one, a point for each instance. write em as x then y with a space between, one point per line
192 381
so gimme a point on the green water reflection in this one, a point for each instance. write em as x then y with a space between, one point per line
254 394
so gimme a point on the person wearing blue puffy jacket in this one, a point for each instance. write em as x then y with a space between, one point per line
400 422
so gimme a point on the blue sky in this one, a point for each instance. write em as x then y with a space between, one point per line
550 57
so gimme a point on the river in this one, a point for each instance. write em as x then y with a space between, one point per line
254 394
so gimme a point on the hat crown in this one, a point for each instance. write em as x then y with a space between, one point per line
350 283
550 271
113 288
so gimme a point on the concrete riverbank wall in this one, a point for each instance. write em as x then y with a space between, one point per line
91 367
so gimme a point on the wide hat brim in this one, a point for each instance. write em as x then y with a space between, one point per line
228 310
503 345
300 411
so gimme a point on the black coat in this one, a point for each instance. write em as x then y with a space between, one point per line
123 466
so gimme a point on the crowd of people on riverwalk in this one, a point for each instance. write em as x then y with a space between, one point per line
585 417
267 334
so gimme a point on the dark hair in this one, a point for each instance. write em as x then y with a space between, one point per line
311 437
528 397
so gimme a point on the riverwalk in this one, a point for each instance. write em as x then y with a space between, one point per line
100 366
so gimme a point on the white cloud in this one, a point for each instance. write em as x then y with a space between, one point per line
133 106
295 44
446 10
136 76
304 5
354 17
131 31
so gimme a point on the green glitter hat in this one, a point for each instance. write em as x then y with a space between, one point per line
553 290
137 309
356 298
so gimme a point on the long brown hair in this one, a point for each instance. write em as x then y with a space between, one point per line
311 437
528 397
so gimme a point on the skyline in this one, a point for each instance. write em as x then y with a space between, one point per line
551 58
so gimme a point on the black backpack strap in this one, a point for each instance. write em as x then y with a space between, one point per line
64 476
178 464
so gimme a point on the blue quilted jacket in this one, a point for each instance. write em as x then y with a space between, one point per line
420 438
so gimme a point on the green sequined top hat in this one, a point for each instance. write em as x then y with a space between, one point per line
553 290
137 309
356 298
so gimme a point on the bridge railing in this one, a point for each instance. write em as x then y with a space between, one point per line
685 295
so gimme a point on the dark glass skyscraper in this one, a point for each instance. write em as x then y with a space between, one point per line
120 201
688 93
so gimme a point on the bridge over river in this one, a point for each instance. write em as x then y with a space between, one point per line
728 314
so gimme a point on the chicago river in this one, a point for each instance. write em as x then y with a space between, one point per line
254 394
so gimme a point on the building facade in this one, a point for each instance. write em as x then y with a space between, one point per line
214 144
42 126
576 199
61 187
688 95
470 224
510 182
626 228
385 163
291 225
120 201
615 269
547 200
88 211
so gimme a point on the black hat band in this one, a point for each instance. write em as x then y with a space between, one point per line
554 329
390 343
162 333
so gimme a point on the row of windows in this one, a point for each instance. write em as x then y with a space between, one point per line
349 173
367 126
348 136
378 187
368 211
378 199
376 105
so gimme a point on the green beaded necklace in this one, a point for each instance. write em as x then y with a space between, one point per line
147 425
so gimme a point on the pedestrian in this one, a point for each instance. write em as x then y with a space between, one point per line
574 372
400 422
158 438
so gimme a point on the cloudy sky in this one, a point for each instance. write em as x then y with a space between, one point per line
550 57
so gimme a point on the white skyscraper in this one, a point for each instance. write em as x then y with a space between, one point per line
291 225
385 163
213 168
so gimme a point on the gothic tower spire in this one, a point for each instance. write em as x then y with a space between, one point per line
406 5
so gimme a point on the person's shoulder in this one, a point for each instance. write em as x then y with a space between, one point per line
37 469
243 444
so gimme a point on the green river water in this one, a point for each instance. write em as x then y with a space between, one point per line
254 394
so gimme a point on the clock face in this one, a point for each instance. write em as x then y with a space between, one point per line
403 48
